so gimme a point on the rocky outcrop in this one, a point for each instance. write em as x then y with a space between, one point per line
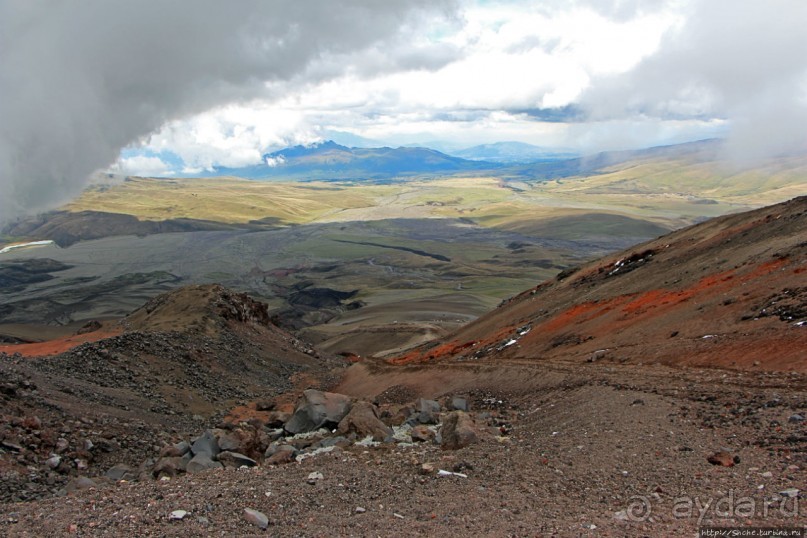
318 409
362 420
458 431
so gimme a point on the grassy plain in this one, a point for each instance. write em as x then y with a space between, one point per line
422 255
669 192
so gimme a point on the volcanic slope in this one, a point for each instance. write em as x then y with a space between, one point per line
575 437
179 363
730 292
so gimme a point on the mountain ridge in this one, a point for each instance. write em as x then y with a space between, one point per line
710 289
331 161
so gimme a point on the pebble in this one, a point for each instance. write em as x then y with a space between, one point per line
314 476
791 493
767 474
796 418
723 459
178 515
258 519
427 468
360 510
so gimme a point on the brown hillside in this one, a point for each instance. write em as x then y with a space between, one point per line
574 437
184 360
731 292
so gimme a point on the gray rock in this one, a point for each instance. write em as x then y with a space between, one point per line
53 461
424 405
202 462
458 404
458 431
426 412
182 448
120 471
228 441
178 515
236 459
317 409
281 455
363 421
206 444
796 418
278 446
170 466
11 446
258 519
275 434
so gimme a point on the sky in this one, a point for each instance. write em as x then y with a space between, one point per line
159 87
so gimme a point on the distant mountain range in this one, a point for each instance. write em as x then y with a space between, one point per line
513 152
331 161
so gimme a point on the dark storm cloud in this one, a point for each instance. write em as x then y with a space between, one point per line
80 80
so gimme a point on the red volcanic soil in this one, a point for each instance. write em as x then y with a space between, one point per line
60 345
730 292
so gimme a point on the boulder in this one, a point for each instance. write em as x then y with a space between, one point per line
120 471
206 444
427 411
275 434
458 431
317 409
276 419
394 414
363 420
228 440
458 404
424 405
170 466
177 450
202 462
281 455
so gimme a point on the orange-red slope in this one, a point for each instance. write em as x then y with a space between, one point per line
58 345
710 295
